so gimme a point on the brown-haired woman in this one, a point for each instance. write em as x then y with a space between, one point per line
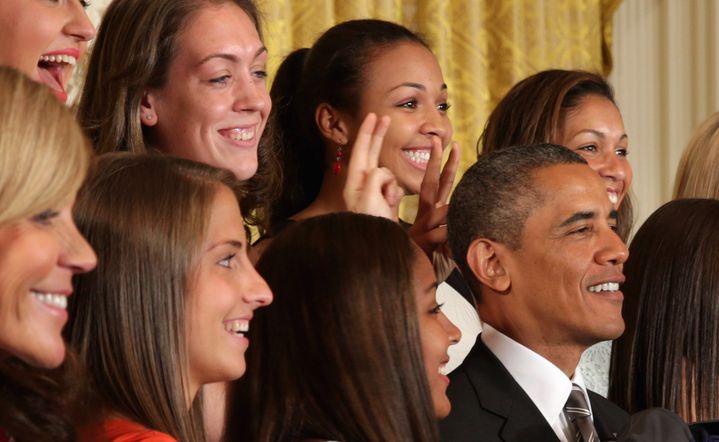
575 109
167 308
668 355
43 160
186 77
353 354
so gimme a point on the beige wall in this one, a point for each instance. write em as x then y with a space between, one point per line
665 77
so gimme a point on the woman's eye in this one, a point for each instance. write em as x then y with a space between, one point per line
444 107
437 309
411 104
85 3
588 148
222 80
226 261
622 152
260 73
46 217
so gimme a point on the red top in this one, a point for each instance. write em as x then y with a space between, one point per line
121 430
3 437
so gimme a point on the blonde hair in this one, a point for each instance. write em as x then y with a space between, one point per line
44 154
698 171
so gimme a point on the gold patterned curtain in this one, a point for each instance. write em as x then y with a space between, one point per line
483 46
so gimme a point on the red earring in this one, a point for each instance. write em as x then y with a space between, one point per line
337 166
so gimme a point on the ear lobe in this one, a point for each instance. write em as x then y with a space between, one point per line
485 263
148 115
331 124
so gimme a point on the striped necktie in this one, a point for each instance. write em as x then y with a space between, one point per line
577 411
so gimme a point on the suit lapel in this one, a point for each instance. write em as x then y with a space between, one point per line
498 393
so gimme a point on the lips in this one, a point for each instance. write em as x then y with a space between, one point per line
417 157
241 135
55 67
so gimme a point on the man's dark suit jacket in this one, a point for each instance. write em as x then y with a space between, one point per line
488 405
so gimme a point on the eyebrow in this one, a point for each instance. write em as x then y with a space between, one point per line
579 216
418 86
598 133
230 57
231 242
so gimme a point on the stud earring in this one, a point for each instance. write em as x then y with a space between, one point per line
148 117
337 166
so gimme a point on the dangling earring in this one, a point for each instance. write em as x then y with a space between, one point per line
337 166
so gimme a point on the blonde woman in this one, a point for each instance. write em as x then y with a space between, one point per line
43 160
698 171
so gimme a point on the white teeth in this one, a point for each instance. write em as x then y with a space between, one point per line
606 287
52 299
417 156
238 326
67 59
242 134
443 369
613 197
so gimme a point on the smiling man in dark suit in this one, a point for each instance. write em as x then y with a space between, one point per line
532 229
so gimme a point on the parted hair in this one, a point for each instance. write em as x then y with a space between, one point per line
668 355
133 50
44 157
533 110
697 175
146 217
337 355
497 194
332 71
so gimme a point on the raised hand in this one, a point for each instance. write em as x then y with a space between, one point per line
429 230
369 188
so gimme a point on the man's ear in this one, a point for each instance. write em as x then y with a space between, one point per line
332 124
148 114
486 264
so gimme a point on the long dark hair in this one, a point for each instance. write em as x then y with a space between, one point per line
332 72
146 217
533 110
337 355
669 354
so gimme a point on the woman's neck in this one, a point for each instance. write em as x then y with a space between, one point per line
329 200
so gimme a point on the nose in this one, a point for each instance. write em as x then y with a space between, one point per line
612 167
453 333
79 26
436 123
250 95
256 291
77 254
613 250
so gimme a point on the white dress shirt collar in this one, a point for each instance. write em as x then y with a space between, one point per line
545 384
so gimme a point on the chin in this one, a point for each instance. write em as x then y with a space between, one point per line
245 171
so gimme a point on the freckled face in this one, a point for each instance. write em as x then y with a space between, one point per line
436 331
38 257
595 130
405 82
215 104
225 292
44 39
